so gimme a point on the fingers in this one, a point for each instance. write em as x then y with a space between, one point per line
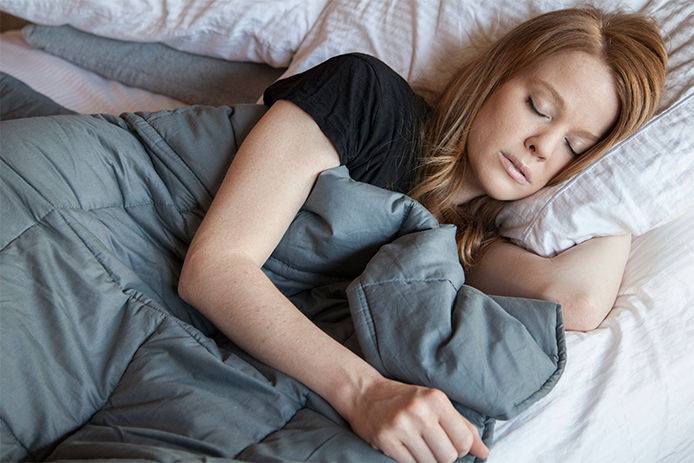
477 448
414 424
440 446
420 449
401 439
399 452
463 435
434 445
440 433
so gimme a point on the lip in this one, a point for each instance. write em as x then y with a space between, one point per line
515 168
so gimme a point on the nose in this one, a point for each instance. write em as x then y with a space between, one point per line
542 144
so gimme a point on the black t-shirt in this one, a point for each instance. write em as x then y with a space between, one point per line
369 113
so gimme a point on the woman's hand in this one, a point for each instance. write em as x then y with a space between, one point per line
413 424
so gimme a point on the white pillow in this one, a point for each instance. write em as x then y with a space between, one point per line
266 31
638 185
421 40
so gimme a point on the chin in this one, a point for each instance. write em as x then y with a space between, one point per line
506 195
502 188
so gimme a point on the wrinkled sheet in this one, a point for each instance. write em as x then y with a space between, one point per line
101 359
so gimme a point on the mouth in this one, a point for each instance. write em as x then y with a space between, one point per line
515 168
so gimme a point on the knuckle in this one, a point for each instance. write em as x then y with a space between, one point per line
381 437
465 443
437 397
399 419
449 457
416 409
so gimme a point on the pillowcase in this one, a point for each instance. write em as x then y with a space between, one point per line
419 40
198 79
640 184
264 31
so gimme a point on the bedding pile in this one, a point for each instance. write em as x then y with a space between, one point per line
108 362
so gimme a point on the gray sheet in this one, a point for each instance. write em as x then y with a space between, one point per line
101 359
198 79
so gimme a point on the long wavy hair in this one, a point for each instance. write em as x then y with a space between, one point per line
629 43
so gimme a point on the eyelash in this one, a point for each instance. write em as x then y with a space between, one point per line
531 103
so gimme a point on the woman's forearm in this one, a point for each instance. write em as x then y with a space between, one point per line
584 279
402 420
242 302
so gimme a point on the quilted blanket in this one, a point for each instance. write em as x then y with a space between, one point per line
102 359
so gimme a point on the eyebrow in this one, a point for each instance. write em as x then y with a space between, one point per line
561 104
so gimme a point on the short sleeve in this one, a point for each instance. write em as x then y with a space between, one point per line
369 113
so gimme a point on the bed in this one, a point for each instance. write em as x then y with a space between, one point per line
97 389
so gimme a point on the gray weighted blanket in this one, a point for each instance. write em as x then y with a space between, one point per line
101 359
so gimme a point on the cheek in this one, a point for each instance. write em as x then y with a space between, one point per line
479 131
559 162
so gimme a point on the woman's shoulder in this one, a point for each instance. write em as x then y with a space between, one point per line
366 109
363 62
356 74
372 70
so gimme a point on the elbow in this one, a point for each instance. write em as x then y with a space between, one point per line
208 275
584 313
193 278
186 284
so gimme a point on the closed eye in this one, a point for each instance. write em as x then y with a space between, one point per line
532 105
568 145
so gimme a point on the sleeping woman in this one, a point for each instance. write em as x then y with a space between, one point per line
541 104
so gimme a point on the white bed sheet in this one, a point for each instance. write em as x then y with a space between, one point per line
627 391
626 394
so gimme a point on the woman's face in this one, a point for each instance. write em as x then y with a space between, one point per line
535 124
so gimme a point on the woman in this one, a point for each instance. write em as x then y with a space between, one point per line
540 105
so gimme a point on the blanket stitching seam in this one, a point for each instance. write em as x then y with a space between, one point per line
148 303
558 371
108 400
332 437
27 181
410 280
179 157
134 294
60 209
14 436
371 326
278 429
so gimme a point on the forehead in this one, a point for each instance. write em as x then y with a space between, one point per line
585 85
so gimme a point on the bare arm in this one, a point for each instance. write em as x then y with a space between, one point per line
584 279
268 181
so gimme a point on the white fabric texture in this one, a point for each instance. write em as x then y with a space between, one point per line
423 40
625 395
264 31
